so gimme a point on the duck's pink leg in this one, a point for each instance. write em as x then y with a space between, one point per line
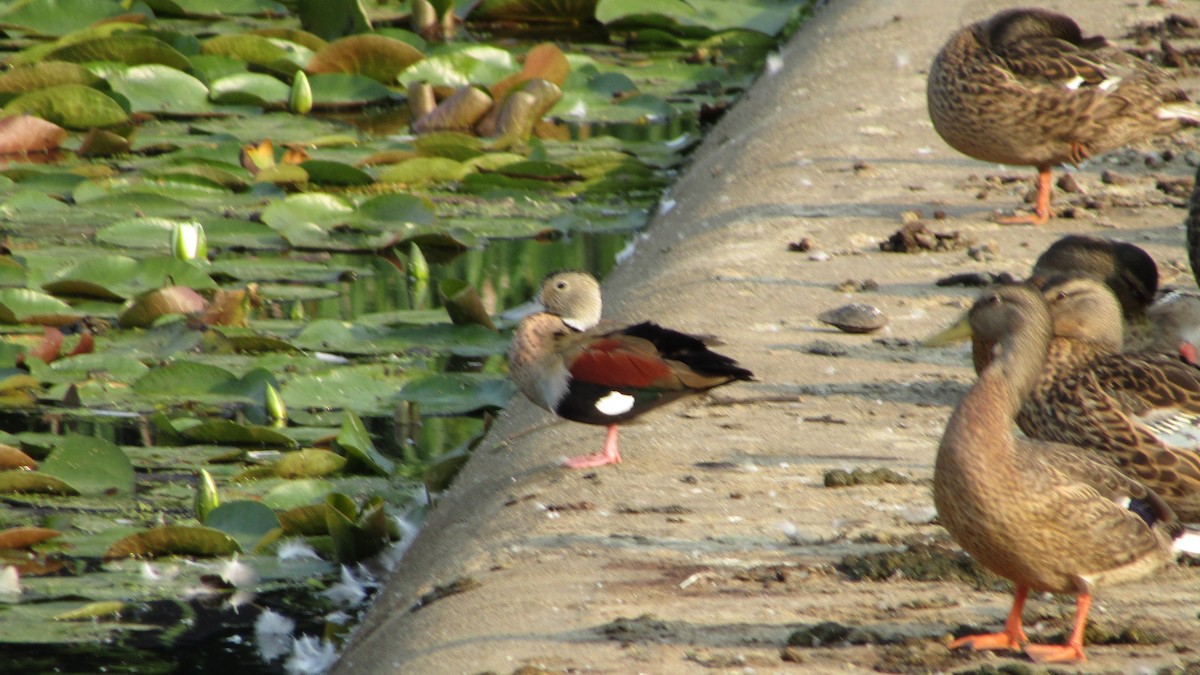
610 454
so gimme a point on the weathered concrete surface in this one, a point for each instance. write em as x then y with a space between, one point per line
717 524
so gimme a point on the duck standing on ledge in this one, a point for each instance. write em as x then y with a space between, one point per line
562 361
1025 87
1039 514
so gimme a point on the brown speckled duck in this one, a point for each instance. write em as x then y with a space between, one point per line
564 362
1040 514
1025 87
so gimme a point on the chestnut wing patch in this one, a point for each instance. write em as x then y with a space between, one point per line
609 362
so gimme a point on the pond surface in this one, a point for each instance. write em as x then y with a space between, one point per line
249 321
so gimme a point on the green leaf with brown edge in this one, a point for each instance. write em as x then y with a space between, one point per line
91 465
331 19
245 520
228 432
374 56
22 305
143 310
44 75
73 106
253 49
356 442
174 540
132 50
304 521
564 11
33 482
463 304
325 172
25 537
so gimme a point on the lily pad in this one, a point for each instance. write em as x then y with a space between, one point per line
355 440
458 393
374 56
91 465
117 277
341 90
23 134
174 540
73 106
249 89
308 463
161 89
58 17
246 521
46 74
21 305
132 50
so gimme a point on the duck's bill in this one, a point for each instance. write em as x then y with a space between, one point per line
959 331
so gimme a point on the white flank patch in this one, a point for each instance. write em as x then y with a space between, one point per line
1188 543
1073 83
1110 84
615 403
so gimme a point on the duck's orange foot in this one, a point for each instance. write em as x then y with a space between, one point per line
1068 653
988 641
1024 219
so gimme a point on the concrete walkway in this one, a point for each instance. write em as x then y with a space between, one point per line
716 539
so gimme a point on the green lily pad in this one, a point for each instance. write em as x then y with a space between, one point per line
374 56
156 88
249 89
339 90
764 16
422 170
296 494
174 540
308 463
458 65
257 50
73 106
22 305
227 432
91 465
181 378
46 74
355 339
355 440
117 277
246 521
34 482
564 11
58 17
323 172
458 393
216 8
146 308
132 50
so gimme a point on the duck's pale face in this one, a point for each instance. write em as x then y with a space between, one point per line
574 296
1086 310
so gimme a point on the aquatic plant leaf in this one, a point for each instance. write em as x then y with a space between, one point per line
354 439
132 50
22 305
331 19
357 535
156 88
29 134
93 611
763 16
366 388
347 338
181 378
339 90
317 208
257 50
308 463
458 65
12 457
298 493
25 537
46 74
174 540
228 432
304 521
34 482
458 393
449 144
324 172
216 8
59 17
463 304
244 520
545 61
564 11
143 310
73 106
91 465
377 57
117 277
422 170
249 89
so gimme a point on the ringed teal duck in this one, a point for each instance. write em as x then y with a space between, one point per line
1026 87
565 362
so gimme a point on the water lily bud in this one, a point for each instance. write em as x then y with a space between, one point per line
275 406
300 102
188 242
297 311
207 498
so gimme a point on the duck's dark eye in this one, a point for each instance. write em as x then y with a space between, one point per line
560 285
1062 295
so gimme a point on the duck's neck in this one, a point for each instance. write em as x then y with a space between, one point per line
984 417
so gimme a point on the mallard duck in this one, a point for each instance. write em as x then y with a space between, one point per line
1025 87
1128 269
1040 514
566 363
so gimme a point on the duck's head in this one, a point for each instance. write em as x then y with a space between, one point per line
1127 269
573 296
1085 310
1008 309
